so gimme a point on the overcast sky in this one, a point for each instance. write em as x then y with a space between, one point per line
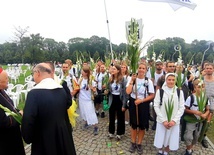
65 19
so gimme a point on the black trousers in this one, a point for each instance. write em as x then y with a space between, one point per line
116 110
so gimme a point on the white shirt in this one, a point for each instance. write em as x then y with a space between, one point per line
99 78
141 87
115 87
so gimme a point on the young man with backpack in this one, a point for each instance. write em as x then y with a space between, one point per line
194 117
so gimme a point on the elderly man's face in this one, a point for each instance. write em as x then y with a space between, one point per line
3 80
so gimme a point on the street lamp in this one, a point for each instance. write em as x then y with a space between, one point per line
210 43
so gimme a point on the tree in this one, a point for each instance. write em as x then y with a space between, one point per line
210 58
96 56
36 47
198 58
19 35
187 58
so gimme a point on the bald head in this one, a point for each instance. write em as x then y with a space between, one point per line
42 71
3 79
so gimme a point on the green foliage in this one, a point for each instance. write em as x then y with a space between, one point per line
210 57
35 48
169 106
198 58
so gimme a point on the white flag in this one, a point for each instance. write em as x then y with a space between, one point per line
176 4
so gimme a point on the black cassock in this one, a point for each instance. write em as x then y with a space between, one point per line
45 122
10 135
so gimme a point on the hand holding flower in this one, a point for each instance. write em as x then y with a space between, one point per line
204 116
21 112
171 124
198 113
106 92
166 124
133 77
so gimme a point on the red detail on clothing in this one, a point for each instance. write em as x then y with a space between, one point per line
1 69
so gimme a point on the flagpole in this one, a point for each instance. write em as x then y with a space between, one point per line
112 56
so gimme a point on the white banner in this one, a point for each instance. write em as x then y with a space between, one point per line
176 4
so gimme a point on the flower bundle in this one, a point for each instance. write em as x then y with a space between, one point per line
169 106
134 45
152 69
107 61
92 64
180 79
17 116
201 98
91 78
161 56
79 63
105 80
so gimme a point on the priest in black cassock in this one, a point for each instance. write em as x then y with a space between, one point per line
45 121
10 135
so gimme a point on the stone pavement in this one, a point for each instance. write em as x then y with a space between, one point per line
88 144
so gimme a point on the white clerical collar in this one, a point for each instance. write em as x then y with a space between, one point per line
47 83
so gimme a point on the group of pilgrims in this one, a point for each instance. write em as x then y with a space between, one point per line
177 110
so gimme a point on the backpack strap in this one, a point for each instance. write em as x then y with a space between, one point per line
191 100
74 71
161 96
178 92
147 87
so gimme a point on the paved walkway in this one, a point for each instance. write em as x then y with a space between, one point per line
88 144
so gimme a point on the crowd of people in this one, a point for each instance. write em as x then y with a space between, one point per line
182 108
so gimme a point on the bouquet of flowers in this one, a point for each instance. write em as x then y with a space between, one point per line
17 116
201 98
91 78
180 80
152 69
134 45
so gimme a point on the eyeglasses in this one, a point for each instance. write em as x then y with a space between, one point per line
171 66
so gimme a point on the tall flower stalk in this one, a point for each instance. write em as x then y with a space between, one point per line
134 45
91 78
169 106
79 63
17 116
152 69
201 98
92 64
105 80
180 80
